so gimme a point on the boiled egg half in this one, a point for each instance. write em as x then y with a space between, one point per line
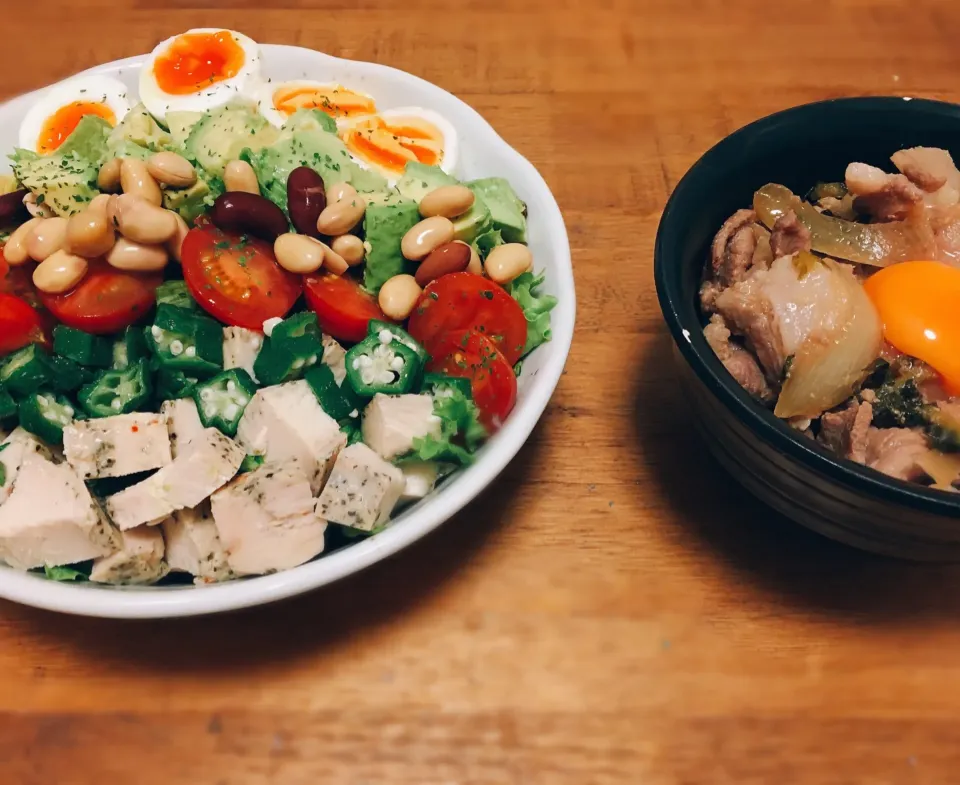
918 305
389 140
58 111
279 101
198 70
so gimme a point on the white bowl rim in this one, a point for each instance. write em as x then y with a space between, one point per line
168 602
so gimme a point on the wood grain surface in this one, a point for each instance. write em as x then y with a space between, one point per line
614 610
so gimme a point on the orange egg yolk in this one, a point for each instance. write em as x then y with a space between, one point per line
919 305
392 144
61 123
197 60
335 100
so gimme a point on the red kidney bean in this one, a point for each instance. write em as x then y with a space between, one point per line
238 211
13 210
306 198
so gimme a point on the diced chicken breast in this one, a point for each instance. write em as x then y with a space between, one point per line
13 450
286 422
419 478
51 519
139 562
206 464
392 422
183 423
334 357
240 348
194 547
362 490
267 519
117 446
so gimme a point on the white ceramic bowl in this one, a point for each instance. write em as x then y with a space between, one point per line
483 154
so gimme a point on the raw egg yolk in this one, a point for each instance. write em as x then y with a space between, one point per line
61 123
393 143
197 60
335 100
919 305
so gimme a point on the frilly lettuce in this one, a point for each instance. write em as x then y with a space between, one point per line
461 432
536 307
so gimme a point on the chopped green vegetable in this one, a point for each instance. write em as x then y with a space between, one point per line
250 463
336 400
536 308
117 392
299 334
68 573
129 348
438 385
26 370
899 404
222 400
45 415
8 406
172 384
398 334
81 347
176 293
461 432
66 375
293 346
182 340
375 366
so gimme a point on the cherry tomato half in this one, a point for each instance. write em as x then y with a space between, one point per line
342 306
466 301
105 301
471 355
236 278
19 324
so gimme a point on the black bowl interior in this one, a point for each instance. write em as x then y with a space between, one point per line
798 148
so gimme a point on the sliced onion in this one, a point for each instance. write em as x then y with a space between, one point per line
943 468
875 244
828 366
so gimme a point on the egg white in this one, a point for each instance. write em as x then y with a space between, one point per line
451 141
247 83
88 89
278 118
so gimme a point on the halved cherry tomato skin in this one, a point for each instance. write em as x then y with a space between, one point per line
105 301
19 324
466 301
343 307
236 278
471 355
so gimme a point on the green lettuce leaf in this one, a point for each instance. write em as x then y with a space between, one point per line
536 307
75 572
461 432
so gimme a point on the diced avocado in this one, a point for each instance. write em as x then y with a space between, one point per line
124 148
323 152
65 182
180 125
88 140
139 127
506 209
221 135
193 201
385 226
419 179
390 196
310 120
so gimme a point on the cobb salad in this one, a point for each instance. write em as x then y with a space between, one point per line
242 322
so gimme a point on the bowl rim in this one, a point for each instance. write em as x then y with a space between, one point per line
177 601
711 372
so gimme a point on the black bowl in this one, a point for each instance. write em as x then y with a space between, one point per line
792 473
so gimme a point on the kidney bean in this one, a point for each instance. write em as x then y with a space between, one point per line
239 211
306 199
12 208
447 258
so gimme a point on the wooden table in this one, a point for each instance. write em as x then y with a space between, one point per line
615 609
